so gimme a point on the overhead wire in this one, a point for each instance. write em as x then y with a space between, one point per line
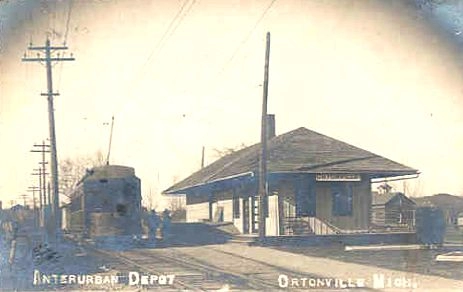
246 38
68 20
179 22
54 20
235 52
65 38
160 44
237 49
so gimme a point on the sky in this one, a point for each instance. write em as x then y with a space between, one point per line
178 75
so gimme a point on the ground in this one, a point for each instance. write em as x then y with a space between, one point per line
201 257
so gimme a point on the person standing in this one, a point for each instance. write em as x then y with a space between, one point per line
153 222
166 220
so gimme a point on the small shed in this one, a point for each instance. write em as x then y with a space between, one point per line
460 219
392 209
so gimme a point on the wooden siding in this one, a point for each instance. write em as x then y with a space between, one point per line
378 215
227 208
282 205
359 220
197 212
399 210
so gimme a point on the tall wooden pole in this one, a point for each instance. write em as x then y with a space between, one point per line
202 158
110 140
48 59
263 158
45 149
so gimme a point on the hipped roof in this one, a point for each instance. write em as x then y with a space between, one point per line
300 150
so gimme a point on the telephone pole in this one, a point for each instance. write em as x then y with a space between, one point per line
42 194
40 185
36 215
263 157
202 158
110 140
24 196
44 149
48 59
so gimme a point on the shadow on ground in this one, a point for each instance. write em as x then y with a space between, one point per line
195 234
414 261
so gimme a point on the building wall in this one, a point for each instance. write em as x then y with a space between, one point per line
361 203
359 220
197 212
227 207
283 193
378 215
403 213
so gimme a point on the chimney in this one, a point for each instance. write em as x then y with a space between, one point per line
270 126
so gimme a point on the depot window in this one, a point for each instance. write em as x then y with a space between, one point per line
342 198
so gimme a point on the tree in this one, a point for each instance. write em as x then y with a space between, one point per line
71 170
228 150
149 200
177 207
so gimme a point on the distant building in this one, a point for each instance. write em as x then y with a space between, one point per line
460 219
316 185
393 209
17 208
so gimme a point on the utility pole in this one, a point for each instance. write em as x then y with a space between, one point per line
44 149
49 194
202 158
48 59
42 194
110 140
39 174
33 189
36 217
40 185
263 157
24 196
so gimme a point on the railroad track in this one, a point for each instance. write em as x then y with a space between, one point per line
158 266
212 269
190 273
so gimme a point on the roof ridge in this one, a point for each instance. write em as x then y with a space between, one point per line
294 150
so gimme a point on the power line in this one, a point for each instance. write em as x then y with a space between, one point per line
246 38
68 21
160 43
180 21
54 19
235 52
175 28
66 32
165 34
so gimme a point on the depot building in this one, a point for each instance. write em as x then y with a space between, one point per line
316 185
